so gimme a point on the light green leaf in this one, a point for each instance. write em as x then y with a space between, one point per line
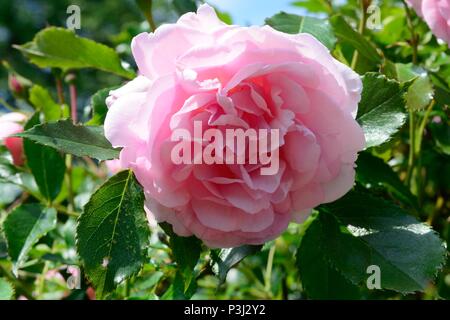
43 101
381 111
345 33
314 6
421 92
61 48
293 24
78 140
408 252
46 164
6 290
23 227
112 233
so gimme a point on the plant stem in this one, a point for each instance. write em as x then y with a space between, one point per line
268 274
8 106
59 89
412 143
418 147
73 111
17 284
361 29
414 36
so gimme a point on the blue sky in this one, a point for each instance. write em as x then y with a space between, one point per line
253 12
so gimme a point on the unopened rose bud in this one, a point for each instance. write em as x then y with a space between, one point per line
14 85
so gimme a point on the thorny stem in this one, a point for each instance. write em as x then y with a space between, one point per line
59 90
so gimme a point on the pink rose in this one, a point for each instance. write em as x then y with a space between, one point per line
9 125
436 14
201 70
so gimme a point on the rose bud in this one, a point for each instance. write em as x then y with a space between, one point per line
10 123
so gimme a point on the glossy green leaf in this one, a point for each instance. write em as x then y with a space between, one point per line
43 101
293 24
23 227
408 252
113 232
345 33
61 48
46 164
226 259
6 289
381 111
78 140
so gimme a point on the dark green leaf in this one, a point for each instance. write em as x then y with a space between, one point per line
184 6
46 164
61 48
381 111
73 139
293 24
112 233
408 253
373 172
23 227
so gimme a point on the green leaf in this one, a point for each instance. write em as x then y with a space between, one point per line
381 111
46 164
78 140
61 48
345 33
293 24
112 233
99 108
314 6
374 172
6 290
226 259
23 227
42 101
421 92
184 6
324 247
408 252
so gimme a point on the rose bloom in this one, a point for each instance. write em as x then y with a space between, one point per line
229 77
9 125
436 14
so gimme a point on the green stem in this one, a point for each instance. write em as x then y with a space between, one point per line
268 274
17 284
414 36
418 148
412 143
8 106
